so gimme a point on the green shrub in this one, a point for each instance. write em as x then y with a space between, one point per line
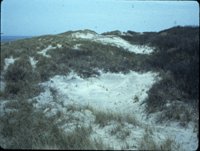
20 78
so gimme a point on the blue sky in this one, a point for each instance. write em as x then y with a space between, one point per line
38 17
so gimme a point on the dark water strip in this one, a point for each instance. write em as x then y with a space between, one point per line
13 38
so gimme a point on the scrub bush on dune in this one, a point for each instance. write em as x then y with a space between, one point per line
63 92
20 78
28 128
177 59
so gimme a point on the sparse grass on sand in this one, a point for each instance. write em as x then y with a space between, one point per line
23 127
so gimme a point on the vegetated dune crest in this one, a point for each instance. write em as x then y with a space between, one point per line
114 41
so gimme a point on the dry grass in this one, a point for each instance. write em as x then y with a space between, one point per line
120 132
103 118
28 128
148 143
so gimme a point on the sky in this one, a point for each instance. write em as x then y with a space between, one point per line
39 17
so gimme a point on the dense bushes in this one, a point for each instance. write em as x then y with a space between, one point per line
183 61
163 91
92 55
178 53
20 78
137 38
47 68
177 57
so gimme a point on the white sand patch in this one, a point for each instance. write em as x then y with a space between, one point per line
77 46
83 35
44 98
122 33
114 41
44 51
113 92
9 61
59 46
121 43
33 62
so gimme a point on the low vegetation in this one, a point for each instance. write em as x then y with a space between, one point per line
120 132
176 58
21 80
24 127
104 118
148 143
